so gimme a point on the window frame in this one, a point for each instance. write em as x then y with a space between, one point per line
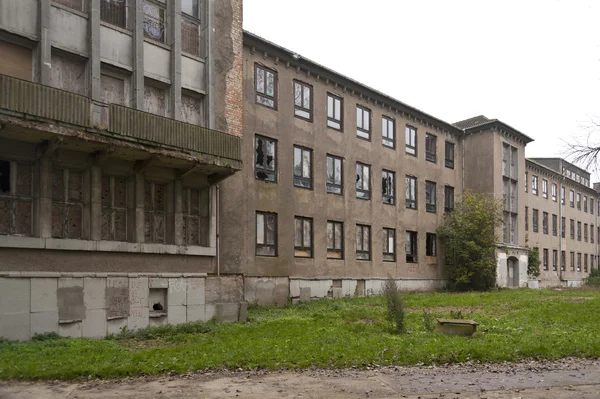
554 259
386 121
572 198
297 180
572 228
563 227
263 167
389 255
554 225
545 188
535 220
449 163
365 191
430 198
430 156
14 197
113 209
448 209
534 184
545 258
264 95
301 108
545 222
304 247
578 201
410 149
411 246
526 218
578 230
361 228
431 241
257 245
409 201
331 186
333 249
362 132
390 197
554 191
332 119
163 21
563 195
154 212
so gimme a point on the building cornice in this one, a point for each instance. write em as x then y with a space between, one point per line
542 169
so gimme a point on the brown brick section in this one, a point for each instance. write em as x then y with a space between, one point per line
233 82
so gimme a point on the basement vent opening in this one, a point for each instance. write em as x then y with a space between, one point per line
5 177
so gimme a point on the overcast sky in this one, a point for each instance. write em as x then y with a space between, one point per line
535 65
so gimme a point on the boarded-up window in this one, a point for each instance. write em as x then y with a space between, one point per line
155 198
67 203
195 216
15 61
16 198
114 208
68 73
192 110
155 100
190 37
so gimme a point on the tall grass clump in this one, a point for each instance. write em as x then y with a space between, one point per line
394 305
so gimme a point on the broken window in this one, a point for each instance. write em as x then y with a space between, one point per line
335 112
554 189
388 187
449 155
265 81
388 132
585 203
572 198
266 234
265 165
411 192
114 208
196 216
431 245
430 147
154 20
335 240
303 237
430 196
302 100
334 175
155 206
562 195
114 12
363 181
579 201
410 135
389 245
411 246
448 198
16 198
363 122
578 261
363 242
67 203
302 167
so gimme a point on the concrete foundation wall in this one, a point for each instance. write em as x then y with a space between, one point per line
98 304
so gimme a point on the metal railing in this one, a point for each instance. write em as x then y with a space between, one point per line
114 12
190 38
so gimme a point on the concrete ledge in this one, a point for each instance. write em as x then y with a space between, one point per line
42 274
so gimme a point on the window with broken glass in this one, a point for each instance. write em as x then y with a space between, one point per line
389 245
572 198
579 201
448 198
335 240
431 244
449 155
562 195
335 112
411 192
534 185
363 122
363 242
266 234
303 237
572 258
411 246
585 203
363 181
67 203
265 165
302 167
388 132
388 187
430 196
585 263
334 175
155 206
114 12
410 137
195 216
16 198
430 147
302 100
265 81
155 26
114 208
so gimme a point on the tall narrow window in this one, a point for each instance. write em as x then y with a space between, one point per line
572 258
544 188
526 218
572 198
67 203
114 12
266 234
335 240
190 36
572 229
266 86
585 232
388 132
363 181
430 147
592 206
302 100
563 260
265 165
554 192
303 237
449 155
363 242
363 122
411 192
431 245
554 225
545 222
335 112
554 259
534 185
334 175
196 217
411 246
389 245
585 203
16 198
579 201
410 136
155 26
155 198
578 261
388 187
545 258
592 233
578 231
562 195
526 180
448 198
114 208
430 196
585 263
535 220
302 167
562 227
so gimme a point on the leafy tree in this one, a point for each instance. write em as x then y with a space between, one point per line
468 235
533 260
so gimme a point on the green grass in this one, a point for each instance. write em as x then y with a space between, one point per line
514 325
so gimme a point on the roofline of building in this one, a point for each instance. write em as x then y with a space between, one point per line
564 161
559 175
297 61
497 123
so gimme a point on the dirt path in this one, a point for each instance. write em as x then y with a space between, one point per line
567 378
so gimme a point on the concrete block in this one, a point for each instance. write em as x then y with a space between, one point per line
224 289
65 282
15 326
70 303
158 282
196 291
227 312
373 287
304 294
73 330
337 292
177 295
267 291
117 301
348 288
243 312
196 313
115 326
43 295
317 288
157 321
210 311
294 288
15 295
44 322
138 318
94 324
176 314
138 292
94 293
117 282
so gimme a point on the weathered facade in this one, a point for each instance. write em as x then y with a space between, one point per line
118 119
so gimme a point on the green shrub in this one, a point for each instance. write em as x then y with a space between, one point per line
47 336
394 305
428 321
594 278
167 330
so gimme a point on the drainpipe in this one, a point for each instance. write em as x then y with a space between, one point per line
564 226
218 231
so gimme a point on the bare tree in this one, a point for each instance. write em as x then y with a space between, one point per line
585 151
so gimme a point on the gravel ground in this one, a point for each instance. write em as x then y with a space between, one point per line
566 378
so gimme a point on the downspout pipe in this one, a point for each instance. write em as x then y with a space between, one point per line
218 232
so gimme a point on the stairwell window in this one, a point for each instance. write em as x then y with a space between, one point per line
363 181
544 188
302 100
534 184
554 189
411 192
